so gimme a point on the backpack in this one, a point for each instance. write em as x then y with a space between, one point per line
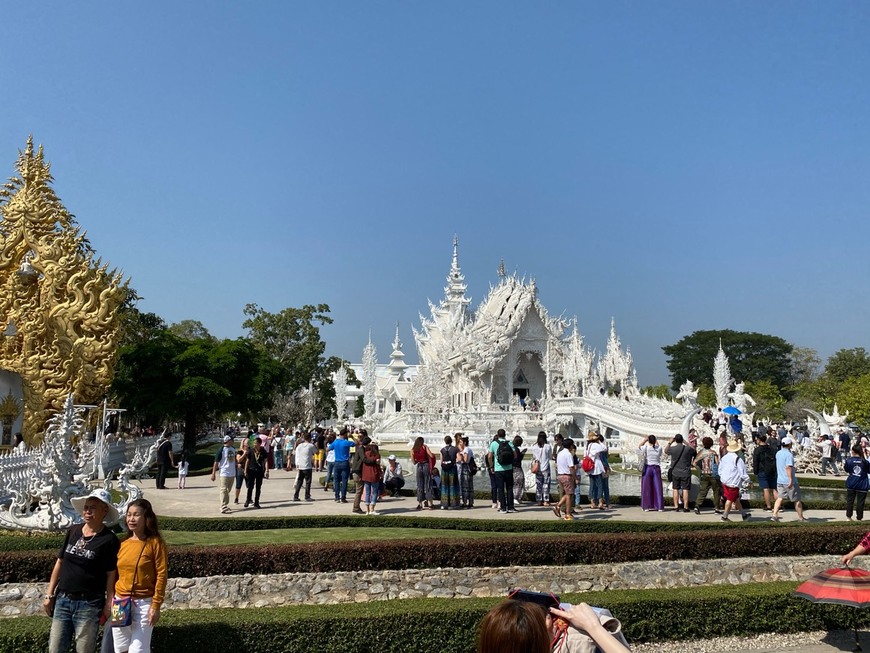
472 466
505 454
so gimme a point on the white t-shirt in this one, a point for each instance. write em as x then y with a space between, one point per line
227 464
653 454
542 455
596 451
305 455
183 467
564 462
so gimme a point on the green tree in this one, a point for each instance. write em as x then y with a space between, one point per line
751 356
662 391
847 363
804 365
706 395
292 339
854 396
768 399
191 330
169 377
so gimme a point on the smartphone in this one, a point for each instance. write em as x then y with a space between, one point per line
543 599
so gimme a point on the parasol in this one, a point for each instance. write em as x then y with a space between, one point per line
731 410
841 586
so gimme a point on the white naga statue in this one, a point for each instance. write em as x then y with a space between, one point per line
739 398
688 394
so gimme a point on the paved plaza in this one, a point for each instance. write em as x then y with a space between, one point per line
201 499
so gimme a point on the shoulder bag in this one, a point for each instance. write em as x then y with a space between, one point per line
122 606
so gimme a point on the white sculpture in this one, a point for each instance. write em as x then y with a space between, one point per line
369 378
721 377
42 500
688 394
739 398
339 381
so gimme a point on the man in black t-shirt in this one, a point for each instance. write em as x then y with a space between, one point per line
83 575
164 461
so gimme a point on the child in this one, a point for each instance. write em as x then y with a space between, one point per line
436 484
183 466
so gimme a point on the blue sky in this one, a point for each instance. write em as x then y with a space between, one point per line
678 166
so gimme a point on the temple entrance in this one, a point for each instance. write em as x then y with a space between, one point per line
529 381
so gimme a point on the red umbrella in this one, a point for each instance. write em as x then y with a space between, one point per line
842 586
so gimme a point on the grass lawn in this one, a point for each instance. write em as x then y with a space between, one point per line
304 535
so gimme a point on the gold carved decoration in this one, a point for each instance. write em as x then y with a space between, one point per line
58 305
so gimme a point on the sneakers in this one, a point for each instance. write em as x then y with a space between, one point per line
697 511
296 499
746 515
502 512
374 512
775 518
357 512
225 510
768 510
724 518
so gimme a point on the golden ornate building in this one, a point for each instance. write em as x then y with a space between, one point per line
58 305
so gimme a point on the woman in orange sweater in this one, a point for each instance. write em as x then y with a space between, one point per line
141 576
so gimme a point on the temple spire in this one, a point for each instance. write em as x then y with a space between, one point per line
455 290
397 358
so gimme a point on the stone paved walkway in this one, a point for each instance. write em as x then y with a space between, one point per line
201 499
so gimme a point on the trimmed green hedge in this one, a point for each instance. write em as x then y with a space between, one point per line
397 626
200 561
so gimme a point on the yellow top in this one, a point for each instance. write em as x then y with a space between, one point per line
151 575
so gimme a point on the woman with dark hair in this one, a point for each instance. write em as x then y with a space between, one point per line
464 462
519 474
514 627
141 577
19 446
541 455
707 462
421 456
526 627
651 494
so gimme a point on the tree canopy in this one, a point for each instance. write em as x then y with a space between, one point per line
751 357
847 363
170 377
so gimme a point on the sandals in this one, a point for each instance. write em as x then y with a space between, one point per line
557 512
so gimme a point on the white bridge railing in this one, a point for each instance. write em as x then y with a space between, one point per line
15 466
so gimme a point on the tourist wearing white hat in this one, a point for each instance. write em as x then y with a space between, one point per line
733 475
83 576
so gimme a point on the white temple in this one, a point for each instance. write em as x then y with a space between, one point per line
507 364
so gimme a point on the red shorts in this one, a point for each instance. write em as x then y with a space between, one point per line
730 493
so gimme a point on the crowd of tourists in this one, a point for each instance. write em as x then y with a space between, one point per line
445 477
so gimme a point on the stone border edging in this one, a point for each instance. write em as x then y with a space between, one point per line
245 591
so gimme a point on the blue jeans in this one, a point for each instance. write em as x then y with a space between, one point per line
371 496
73 617
330 474
279 458
342 475
596 488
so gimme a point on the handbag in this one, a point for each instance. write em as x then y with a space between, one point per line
122 606
122 611
536 466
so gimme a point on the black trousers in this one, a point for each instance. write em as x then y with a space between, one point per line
505 489
254 482
303 476
850 501
161 475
